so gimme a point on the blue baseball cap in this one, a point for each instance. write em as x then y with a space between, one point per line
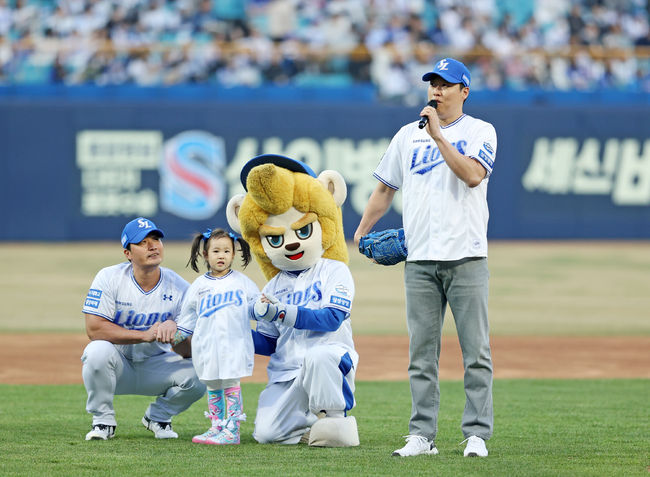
450 70
280 161
136 230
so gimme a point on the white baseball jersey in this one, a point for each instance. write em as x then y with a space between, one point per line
116 296
444 219
327 284
215 312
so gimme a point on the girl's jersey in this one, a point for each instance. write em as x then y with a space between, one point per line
327 284
215 313
116 296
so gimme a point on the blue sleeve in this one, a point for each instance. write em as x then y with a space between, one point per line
264 345
323 319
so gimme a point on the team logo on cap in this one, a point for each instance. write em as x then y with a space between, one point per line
442 65
144 224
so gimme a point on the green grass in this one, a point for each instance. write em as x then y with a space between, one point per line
536 288
542 428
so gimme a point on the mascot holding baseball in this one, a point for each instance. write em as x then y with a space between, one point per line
292 220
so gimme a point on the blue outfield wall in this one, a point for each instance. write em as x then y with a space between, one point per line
77 170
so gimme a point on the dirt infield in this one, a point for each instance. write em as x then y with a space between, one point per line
54 358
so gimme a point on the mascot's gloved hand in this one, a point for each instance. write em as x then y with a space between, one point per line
269 308
269 311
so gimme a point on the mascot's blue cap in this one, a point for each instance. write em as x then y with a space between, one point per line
280 161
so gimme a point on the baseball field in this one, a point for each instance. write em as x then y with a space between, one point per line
570 343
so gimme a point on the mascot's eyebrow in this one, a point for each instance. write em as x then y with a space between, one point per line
308 218
265 230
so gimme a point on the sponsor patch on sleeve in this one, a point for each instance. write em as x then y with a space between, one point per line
487 160
92 300
340 301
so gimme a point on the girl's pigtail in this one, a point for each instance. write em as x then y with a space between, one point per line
245 248
194 253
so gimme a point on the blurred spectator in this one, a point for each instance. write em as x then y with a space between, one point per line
5 19
437 34
393 81
575 20
464 39
281 19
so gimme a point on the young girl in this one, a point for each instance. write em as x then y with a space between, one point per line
215 313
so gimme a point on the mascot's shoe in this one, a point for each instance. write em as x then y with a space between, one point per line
475 447
416 445
334 432
101 432
162 430
208 437
305 437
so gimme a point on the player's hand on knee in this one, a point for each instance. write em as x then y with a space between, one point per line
269 308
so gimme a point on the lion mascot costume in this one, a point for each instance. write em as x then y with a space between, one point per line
292 220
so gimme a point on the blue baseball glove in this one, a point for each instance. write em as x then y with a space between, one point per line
386 247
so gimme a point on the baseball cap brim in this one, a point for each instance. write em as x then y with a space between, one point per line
429 76
280 161
141 235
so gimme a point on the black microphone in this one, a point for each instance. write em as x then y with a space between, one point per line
425 119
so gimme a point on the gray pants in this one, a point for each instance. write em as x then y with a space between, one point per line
106 372
430 285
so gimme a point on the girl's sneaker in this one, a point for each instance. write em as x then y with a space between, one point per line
211 436
228 436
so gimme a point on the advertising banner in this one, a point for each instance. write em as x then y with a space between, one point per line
81 170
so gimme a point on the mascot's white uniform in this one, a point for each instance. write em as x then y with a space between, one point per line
292 220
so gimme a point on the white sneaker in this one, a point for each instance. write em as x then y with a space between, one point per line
416 445
101 432
475 447
162 430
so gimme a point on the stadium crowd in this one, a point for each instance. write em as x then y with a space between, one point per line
513 44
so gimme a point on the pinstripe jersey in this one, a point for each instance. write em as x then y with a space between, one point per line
215 312
327 284
444 219
117 297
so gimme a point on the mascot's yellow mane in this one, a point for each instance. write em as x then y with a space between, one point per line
272 190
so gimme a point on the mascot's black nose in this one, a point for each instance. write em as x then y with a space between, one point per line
292 246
